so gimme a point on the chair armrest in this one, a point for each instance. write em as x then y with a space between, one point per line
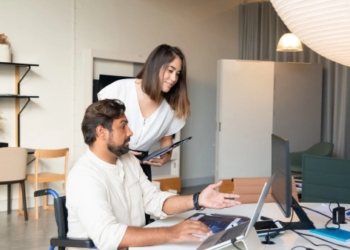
295 158
72 242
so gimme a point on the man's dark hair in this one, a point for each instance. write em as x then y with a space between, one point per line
100 113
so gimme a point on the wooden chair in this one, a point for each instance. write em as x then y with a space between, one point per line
46 177
13 165
249 189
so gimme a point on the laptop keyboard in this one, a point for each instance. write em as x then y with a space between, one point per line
234 232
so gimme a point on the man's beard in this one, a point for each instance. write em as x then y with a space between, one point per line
118 150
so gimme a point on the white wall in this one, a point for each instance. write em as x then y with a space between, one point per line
54 33
40 32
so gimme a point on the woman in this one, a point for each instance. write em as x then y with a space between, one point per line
156 102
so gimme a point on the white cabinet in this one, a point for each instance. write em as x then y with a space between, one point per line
256 99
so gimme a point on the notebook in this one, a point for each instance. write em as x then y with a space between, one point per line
337 234
164 150
240 230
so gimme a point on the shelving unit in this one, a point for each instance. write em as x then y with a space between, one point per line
17 95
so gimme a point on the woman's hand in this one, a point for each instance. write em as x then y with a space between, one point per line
163 159
158 162
135 153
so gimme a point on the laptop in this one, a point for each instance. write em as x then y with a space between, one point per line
241 230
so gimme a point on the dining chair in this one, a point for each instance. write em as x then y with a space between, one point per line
13 165
46 177
249 189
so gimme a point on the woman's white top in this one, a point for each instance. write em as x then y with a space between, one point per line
146 131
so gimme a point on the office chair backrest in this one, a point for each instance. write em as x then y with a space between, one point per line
61 216
13 164
321 149
325 179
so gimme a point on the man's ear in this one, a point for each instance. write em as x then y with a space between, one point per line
101 132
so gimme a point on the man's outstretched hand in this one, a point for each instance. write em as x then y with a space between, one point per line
210 198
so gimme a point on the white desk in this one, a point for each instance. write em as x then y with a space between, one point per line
288 240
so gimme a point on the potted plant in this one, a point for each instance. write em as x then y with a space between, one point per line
5 51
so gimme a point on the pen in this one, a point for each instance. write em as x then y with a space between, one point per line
265 218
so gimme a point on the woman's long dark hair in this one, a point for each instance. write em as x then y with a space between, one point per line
159 59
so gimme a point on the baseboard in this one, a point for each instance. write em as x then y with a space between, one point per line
197 181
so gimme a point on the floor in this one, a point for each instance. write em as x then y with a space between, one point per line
17 234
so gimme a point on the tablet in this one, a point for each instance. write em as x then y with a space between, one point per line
164 150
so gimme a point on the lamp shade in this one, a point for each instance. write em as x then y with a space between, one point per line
289 43
322 25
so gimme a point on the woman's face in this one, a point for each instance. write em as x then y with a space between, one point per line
169 75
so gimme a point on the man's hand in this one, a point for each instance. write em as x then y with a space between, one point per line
185 231
210 198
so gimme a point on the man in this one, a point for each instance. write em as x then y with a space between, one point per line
108 193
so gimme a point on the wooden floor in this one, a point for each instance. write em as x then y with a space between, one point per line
17 234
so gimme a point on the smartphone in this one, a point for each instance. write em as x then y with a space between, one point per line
262 227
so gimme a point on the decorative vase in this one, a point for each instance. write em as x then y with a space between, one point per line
5 53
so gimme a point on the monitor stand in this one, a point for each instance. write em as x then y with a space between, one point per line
304 224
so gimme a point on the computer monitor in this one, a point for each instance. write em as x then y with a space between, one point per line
282 184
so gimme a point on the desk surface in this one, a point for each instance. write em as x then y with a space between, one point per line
288 240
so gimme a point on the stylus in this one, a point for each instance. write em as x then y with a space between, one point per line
265 218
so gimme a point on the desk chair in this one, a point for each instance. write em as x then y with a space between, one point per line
61 216
13 165
46 177
325 179
319 149
249 189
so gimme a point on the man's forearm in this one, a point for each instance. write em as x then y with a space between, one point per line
178 204
136 237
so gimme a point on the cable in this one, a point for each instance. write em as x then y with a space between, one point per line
310 235
313 210
326 226
236 246
306 248
329 206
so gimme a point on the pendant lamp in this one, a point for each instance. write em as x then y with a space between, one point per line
289 43
322 25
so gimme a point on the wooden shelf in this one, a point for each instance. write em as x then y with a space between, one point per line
20 64
17 95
